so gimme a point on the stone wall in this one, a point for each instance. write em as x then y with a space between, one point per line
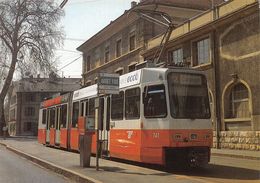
242 140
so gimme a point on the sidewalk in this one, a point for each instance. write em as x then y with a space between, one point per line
67 164
254 155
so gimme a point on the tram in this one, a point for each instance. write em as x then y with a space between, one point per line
160 116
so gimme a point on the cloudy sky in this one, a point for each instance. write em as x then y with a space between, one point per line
83 19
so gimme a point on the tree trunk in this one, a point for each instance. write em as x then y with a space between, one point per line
5 89
2 117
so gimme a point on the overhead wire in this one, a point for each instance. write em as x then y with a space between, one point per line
69 63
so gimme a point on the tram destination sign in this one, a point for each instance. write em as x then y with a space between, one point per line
108 83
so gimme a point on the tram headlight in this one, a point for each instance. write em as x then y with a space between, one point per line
193 136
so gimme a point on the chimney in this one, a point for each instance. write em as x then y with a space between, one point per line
133 4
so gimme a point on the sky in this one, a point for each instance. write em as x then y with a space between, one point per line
82 20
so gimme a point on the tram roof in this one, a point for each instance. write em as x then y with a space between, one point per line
143 75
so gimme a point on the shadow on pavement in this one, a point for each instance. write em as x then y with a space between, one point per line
210 171
124 171
220 171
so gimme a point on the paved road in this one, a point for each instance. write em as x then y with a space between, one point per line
226 170
14 169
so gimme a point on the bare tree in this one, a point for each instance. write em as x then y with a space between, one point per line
29 30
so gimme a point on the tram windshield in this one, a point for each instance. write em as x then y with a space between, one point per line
188 96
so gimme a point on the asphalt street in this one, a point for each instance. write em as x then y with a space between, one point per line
14 169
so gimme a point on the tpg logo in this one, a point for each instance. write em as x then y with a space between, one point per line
132 78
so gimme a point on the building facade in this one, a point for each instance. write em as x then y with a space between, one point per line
117 48
224 43
25 98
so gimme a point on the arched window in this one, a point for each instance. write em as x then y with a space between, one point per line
238 102
237 112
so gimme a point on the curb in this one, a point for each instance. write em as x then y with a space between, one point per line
55 168
236 156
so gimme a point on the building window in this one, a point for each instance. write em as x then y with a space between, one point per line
88 63
119 71
118 48
131 67
29 111
107 54
176 56
238 102
30 97
132 41
201 52
237 114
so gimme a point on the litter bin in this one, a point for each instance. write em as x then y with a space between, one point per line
86 131
85 149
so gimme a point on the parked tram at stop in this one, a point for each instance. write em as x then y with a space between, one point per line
160 116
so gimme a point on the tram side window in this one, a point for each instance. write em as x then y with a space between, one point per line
63 116
81 108
86 108
52 117
117 104
91 112
57 118
101 122
75 114
108 114
132 103
44 117
155 101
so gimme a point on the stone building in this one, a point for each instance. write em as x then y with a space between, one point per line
224 43
117 48
25 97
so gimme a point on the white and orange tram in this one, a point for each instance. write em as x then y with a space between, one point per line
160 116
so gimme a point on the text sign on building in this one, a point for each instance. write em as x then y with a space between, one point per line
108 83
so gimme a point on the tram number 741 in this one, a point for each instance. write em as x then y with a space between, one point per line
156 135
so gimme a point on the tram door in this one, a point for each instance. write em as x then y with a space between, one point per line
52 120
57 125
48 127
104 135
